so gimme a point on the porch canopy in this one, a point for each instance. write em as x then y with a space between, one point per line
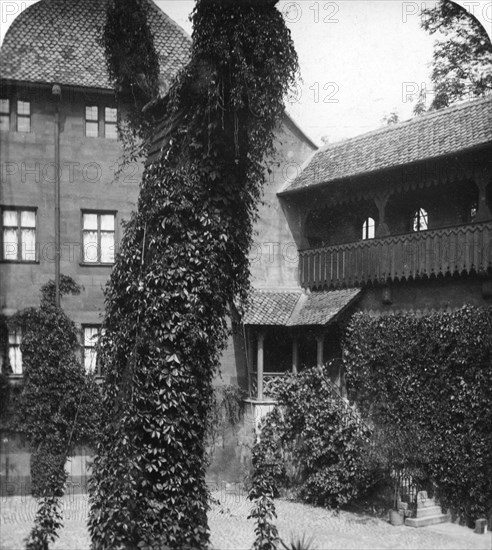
291 309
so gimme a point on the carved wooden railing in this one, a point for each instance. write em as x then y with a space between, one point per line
270 383
459 249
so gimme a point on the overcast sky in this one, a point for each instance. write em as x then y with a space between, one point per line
360 59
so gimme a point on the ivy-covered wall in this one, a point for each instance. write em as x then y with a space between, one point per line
431 376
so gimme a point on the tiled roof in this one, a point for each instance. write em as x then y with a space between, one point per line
424 137
271 308
297 308
56 41
321 307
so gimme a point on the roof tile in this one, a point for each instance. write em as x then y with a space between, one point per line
296 308
431 135
57 41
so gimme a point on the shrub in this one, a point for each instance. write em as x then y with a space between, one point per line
312 444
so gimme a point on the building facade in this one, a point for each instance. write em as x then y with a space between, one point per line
398 219
395 220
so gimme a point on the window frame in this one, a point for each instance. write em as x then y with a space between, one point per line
97 367
417 217
23 116
19 227
110 123
15 345
98 213
91 120
366 226
6 114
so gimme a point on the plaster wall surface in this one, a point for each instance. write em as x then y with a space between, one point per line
273 256
89 180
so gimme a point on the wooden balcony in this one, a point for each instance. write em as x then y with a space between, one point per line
460 249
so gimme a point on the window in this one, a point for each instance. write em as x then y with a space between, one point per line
4 114
472 212
98 230
110 120
91 338
15 354
19 235
368 228
92 121
420 220
23 116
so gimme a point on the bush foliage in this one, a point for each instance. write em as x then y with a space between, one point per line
431 377
182 262
311 444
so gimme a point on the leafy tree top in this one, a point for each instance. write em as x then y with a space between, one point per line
462 60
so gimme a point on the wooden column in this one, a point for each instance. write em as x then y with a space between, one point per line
382 229
482 179
295 356
320 340
259 364
249 358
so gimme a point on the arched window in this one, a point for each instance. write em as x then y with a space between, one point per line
420 220
368 228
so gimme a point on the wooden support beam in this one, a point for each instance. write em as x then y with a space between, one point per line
320 341
482 179
259 365
295 355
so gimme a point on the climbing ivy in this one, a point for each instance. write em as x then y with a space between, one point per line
182 262
226 410
133 69
429 379
268 474
58 404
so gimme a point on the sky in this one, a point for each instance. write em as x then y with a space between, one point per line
360 60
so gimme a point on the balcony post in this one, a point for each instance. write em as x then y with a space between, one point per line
249 358
259 366
320 341
295 355
382 229
482 180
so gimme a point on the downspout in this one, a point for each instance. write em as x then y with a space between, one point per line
56 92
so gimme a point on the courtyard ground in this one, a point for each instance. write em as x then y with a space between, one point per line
232 530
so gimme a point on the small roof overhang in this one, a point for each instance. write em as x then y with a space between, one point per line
296 309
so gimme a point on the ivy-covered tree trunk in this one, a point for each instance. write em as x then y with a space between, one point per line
182 261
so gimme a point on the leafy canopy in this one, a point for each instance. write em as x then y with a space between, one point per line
462 59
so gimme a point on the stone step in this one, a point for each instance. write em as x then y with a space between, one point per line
427 503
430 511
424 522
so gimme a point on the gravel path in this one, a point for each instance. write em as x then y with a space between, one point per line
232 530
